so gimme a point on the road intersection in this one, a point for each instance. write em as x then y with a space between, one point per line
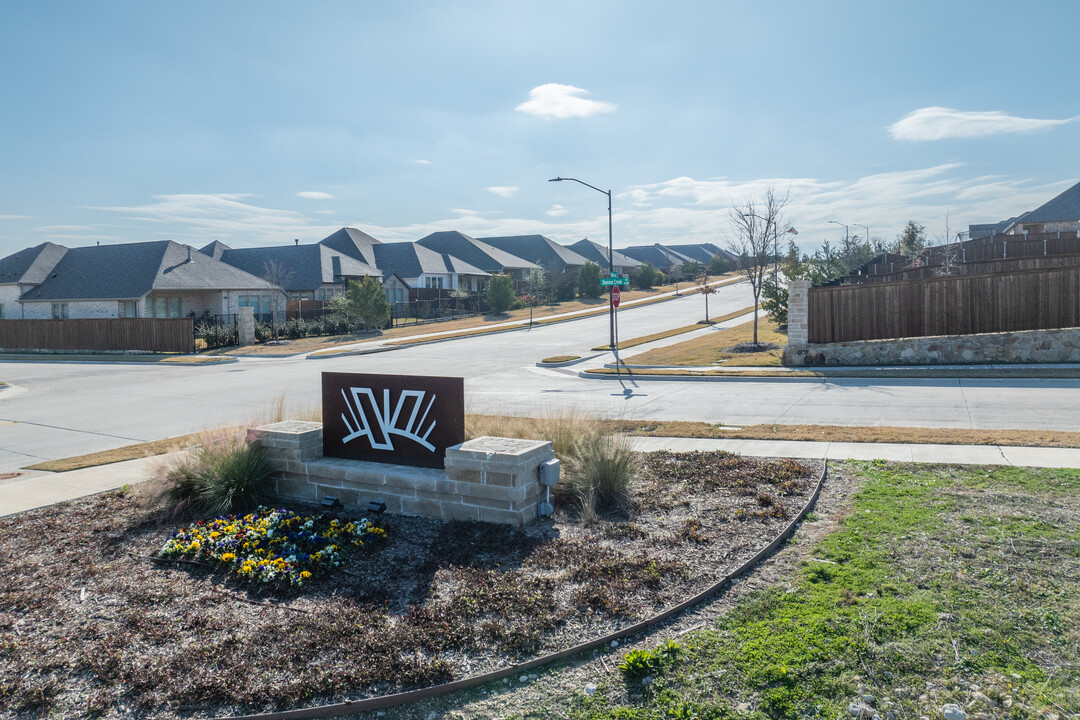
57 409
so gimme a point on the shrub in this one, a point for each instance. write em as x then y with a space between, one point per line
599 470
589 280
500 293
363 304
224 474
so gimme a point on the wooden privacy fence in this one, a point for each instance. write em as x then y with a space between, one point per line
962 305
99 335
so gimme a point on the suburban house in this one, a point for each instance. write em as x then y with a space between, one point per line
597 253
542 251
24 271
477 253
659 256
421 267
1057 215
149 279
702 252
305 272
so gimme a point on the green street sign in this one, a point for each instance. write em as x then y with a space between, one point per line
614 281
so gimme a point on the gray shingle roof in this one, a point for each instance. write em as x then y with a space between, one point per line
660 257
355 243
598 254
538 249
477 253
214 249
410 260
1065 206
702 252
131 270
298 267
32 265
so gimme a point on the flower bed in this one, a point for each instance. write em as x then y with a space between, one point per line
272 545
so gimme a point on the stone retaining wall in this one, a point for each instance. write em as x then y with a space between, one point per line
488 479
1027 346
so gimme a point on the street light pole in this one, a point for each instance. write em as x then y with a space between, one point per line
837 222
867 238
610 254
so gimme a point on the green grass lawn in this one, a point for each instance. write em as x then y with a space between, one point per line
941 584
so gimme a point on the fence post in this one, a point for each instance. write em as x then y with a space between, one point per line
798 328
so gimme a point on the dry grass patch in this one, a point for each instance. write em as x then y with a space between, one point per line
120 454
709 349
843 433
676 331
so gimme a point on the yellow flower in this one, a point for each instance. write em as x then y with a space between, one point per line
305 574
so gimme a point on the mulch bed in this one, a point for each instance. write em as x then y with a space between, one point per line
89 627
749 347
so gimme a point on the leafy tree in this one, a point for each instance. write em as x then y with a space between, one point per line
912 240
536 283
500 293
706 289
774 301
718 265
644 276
588 281
363 304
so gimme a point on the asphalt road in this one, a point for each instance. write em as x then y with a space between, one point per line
62 409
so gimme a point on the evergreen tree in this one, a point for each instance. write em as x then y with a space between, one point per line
500 293
363 304
589 280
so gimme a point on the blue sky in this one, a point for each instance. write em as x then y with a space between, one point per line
255 123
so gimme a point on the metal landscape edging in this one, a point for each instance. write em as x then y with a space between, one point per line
354 707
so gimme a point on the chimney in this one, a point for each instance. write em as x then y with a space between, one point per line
297 242
189 253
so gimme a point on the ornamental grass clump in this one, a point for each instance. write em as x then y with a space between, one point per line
225 473
272 546
599 472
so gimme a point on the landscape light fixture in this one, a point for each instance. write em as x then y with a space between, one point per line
375 507
610 253
331 502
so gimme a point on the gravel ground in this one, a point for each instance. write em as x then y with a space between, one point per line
90 624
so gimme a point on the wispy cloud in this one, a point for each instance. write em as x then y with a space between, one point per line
557 211
220 216
562 101
940 123
16 217
64 228
314 195
503 190
421 162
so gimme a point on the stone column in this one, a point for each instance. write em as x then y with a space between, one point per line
798 322
247 325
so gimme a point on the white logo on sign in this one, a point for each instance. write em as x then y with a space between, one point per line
386 425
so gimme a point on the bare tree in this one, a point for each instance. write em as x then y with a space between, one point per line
757 226
277 273
950 252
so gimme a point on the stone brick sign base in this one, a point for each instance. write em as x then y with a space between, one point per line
488 479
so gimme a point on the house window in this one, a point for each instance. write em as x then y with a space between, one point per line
165 307
433 283
260 305
60 311
127 309
1 311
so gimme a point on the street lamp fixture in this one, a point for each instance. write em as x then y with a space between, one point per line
610 253
867 238
837 222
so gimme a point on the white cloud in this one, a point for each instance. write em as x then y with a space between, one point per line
939 123
225 217
421 162
557 211
323 212
63 228
503 190
562 101
16 217
314 195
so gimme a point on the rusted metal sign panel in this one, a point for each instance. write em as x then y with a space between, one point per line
399 419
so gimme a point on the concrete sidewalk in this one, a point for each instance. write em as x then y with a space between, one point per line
899 452
39 489
36 489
